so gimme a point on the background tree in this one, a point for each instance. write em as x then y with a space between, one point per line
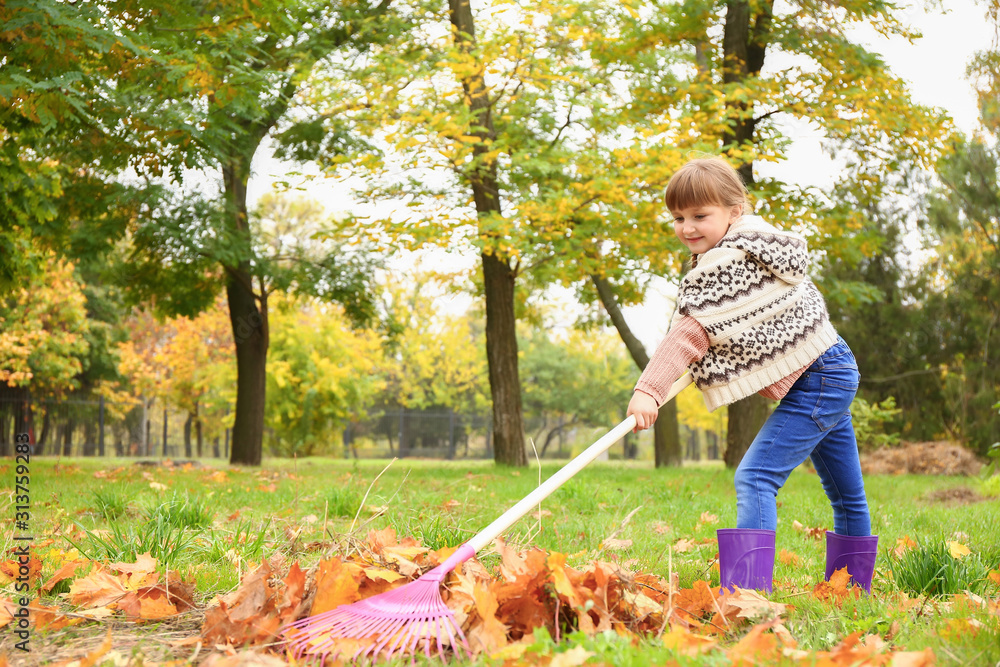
59 148
200 370
580 380
43 346
436 360
212 83
964 288
322 374
703 77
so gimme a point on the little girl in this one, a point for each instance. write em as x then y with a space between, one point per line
749 320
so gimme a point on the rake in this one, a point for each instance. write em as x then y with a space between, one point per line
399 621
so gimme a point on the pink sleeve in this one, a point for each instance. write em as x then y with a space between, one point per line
777 391
685 343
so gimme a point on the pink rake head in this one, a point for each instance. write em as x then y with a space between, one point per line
394 622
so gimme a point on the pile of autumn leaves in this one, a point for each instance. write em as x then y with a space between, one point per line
498 611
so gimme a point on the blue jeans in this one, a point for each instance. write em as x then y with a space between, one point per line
813 420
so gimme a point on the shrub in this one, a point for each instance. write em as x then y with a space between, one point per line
870 420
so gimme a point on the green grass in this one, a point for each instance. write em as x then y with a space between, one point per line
211 530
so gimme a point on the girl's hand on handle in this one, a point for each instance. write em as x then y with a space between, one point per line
645 409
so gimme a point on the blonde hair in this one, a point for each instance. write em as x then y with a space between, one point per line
706 182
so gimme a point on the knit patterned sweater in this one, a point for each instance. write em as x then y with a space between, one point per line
764 320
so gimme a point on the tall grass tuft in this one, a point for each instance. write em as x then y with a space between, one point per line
434 534
343 501
125 542
246 540
932 570
111 502
187 511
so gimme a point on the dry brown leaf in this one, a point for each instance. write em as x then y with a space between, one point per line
660 528
639 605
752 605
50 618
405 566
380 539
512 564
98 589
684 545
144 564
524 604
152 606
815 533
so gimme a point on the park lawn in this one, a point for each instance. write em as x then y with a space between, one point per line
213 524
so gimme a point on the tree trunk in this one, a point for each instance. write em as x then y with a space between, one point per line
501 353
199 437
250 329
666 437
4 448
744 424
666 429
744 45
187 436
46 429
499 275
89 438
68 427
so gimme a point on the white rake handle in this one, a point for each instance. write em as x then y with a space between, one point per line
525 505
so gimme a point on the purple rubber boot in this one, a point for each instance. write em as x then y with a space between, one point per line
746 558
857 554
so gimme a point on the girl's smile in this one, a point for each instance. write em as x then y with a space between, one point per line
701 228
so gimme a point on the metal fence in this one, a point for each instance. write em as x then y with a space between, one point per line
94 427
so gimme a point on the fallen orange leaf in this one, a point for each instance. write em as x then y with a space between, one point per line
903 544
789 558
757 647
337 583
835 589
98 589
67 571
490 634
686 642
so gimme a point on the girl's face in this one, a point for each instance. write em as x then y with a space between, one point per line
700 228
